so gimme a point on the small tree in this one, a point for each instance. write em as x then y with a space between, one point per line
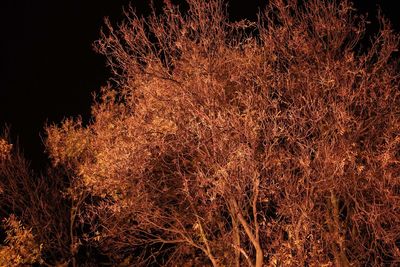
34 210
273 142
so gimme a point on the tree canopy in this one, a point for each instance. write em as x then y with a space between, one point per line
274 142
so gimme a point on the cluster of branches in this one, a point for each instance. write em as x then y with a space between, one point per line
224 143
35 211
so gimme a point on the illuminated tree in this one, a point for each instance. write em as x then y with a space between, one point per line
34 212
272 142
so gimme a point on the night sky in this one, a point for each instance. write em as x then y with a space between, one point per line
49 69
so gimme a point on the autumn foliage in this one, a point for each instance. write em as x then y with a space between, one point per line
267 143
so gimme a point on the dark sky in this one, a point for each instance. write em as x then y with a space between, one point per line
48 69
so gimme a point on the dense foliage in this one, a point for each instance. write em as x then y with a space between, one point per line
224 143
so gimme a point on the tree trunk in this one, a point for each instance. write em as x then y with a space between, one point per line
236 241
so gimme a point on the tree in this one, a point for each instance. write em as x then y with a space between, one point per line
229 143
35 210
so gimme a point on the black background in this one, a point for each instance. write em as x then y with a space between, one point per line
48 69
